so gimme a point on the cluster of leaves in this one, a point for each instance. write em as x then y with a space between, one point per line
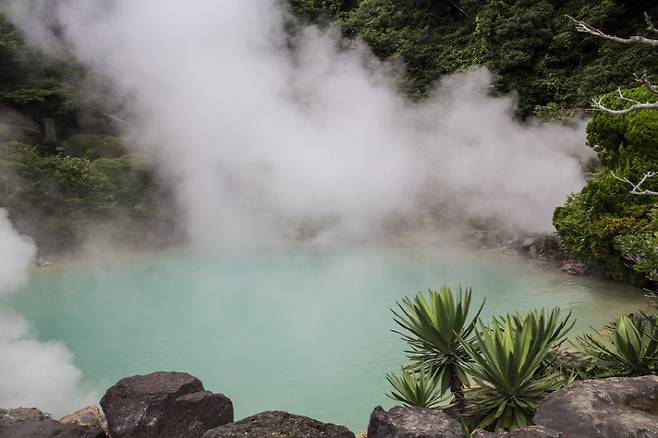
510 369
629 349
505 367
605 224
434 331
530 44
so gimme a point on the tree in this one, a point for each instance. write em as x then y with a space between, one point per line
636 105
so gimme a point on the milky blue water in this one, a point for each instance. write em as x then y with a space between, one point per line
304 329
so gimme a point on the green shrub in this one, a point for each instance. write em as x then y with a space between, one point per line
630 348
511 361
628 140
605 224
507 366
417 388
436 330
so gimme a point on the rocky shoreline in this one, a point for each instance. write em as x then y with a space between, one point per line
546 248
176 405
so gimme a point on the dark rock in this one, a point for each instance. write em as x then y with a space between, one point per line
32 423
278 424
574 267
542 246
401 422
526 432
163 404
617 407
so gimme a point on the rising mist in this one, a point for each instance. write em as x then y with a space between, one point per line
260 129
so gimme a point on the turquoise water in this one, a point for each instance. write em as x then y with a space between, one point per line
304 329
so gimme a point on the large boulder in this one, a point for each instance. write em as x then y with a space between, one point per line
401 422
526 432
278 424
32 423
619 407
163 404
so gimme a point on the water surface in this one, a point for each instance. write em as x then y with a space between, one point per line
304 329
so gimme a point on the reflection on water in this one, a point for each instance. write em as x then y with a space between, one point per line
303 329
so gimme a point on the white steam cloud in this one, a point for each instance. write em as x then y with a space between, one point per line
260 129
32 373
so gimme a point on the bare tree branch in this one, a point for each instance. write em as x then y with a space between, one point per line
583 27
644 80
637 187
598 105
650 24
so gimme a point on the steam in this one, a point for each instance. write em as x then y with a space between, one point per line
261 130
32 373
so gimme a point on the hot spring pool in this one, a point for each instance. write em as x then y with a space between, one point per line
304 329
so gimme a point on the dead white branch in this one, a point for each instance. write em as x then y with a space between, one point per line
644 80
583 27
637 187
650 24
598 105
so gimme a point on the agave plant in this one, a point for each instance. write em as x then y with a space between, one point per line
436 330
417 388
507 360
548 326
631 349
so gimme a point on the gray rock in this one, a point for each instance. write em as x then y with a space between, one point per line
278 424
402 422
526 432
574 267
90 416
163 404
32 423
616 407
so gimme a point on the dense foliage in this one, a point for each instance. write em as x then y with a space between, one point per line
529 44
605 224
513 361
510 360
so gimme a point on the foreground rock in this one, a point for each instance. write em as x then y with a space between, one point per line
90 416
32 423
163 404
615 407
278 425
401 422
526 432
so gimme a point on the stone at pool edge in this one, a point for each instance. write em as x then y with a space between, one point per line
163 404
619 407
526 432
276 424
405 422
32 423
